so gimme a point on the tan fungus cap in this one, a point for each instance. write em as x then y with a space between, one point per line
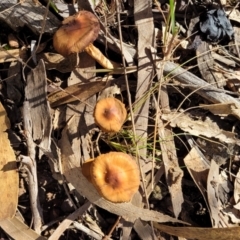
115 175
76 33
110 114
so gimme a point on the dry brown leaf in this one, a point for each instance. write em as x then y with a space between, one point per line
198 170
16 229
173 172
12 55
223 60
234 15
58 62
237 189
76 92
221 109
201 233
212 193
8 171
206 128
143 230
74 175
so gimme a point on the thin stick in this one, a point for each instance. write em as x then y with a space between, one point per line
112 229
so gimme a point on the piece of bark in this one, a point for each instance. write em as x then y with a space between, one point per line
208 67
37 126
29 162
200 87
18 14
144 22
79 130
36 95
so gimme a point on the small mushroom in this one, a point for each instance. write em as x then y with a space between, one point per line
110 114
77 34
115 175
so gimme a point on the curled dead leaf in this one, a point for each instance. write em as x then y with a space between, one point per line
8 171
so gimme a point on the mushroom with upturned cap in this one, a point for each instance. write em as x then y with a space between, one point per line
77 34
110 114
115 175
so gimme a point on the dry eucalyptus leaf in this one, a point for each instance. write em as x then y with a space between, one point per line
223 60
173 172
12 55
234 15
233 215
206 128
76 92
16 229
201 233
237 188
221 109
143 230
8 171
198 170
58 62
74 175
212 193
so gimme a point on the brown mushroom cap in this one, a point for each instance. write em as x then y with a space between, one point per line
115 176
77 32
110 114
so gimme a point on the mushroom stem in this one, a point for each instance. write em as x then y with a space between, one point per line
86 169
100 58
